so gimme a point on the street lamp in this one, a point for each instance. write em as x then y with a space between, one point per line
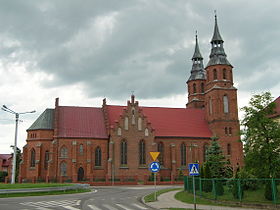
6 109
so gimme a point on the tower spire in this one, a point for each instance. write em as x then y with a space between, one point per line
216 36
197 71
197 54
217 55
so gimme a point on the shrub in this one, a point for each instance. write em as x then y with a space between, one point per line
219 188
207 185
235 190
268 191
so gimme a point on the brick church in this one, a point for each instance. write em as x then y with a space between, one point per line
83 143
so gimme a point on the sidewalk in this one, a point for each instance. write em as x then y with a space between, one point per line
167 200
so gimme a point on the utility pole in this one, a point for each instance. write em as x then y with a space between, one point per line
6 109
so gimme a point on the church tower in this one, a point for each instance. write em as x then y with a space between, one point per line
196 82
221 101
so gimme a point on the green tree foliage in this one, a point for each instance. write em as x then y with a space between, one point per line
261 137
207 184
216 161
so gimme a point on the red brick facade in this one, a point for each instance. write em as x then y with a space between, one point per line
83 143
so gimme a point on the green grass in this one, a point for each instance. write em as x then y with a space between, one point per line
43 193
30 185
151 197
250 196
188 198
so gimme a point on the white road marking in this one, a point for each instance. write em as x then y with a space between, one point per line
122 206
70 207
138 206
42 208
94 207
109 207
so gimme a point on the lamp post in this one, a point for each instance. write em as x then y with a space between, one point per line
6 109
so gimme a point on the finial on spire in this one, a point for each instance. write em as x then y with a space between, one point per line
132 97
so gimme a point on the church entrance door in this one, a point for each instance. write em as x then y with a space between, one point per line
80 174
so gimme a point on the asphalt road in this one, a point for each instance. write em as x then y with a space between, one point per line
107 198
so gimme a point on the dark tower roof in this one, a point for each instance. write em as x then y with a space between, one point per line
216 36
44 121
217 55
197 71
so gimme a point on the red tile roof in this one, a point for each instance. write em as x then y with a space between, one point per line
6 159
81 122
170 122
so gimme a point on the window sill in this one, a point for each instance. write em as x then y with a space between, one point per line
123 167
32 168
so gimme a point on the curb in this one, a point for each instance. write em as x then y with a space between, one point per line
45 189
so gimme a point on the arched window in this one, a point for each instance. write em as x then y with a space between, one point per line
119 132
205 148
146 132
229 131
226 130
123 152
202 87
224 74
225 100
142 152
210 106
81 149
98 156
183 155
161 153
215 74
228 149
63 152
32 157
139 123
63 169
126 123
47 158
194 88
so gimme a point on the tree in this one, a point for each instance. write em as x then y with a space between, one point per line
261 137
215 160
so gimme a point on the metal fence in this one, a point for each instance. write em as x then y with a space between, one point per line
257 191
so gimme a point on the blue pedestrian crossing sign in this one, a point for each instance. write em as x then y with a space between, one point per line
194 169
154 167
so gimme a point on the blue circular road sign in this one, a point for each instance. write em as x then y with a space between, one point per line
154 167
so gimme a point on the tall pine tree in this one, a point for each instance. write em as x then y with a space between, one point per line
215 160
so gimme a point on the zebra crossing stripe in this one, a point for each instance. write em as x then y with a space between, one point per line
109 207
94 207
70 208
122 206
138 206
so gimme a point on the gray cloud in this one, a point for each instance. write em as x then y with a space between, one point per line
116 47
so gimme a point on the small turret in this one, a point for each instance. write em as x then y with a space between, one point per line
197 79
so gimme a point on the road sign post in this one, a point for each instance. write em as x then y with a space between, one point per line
194 171
154 167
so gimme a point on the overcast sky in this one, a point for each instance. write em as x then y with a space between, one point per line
82 51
